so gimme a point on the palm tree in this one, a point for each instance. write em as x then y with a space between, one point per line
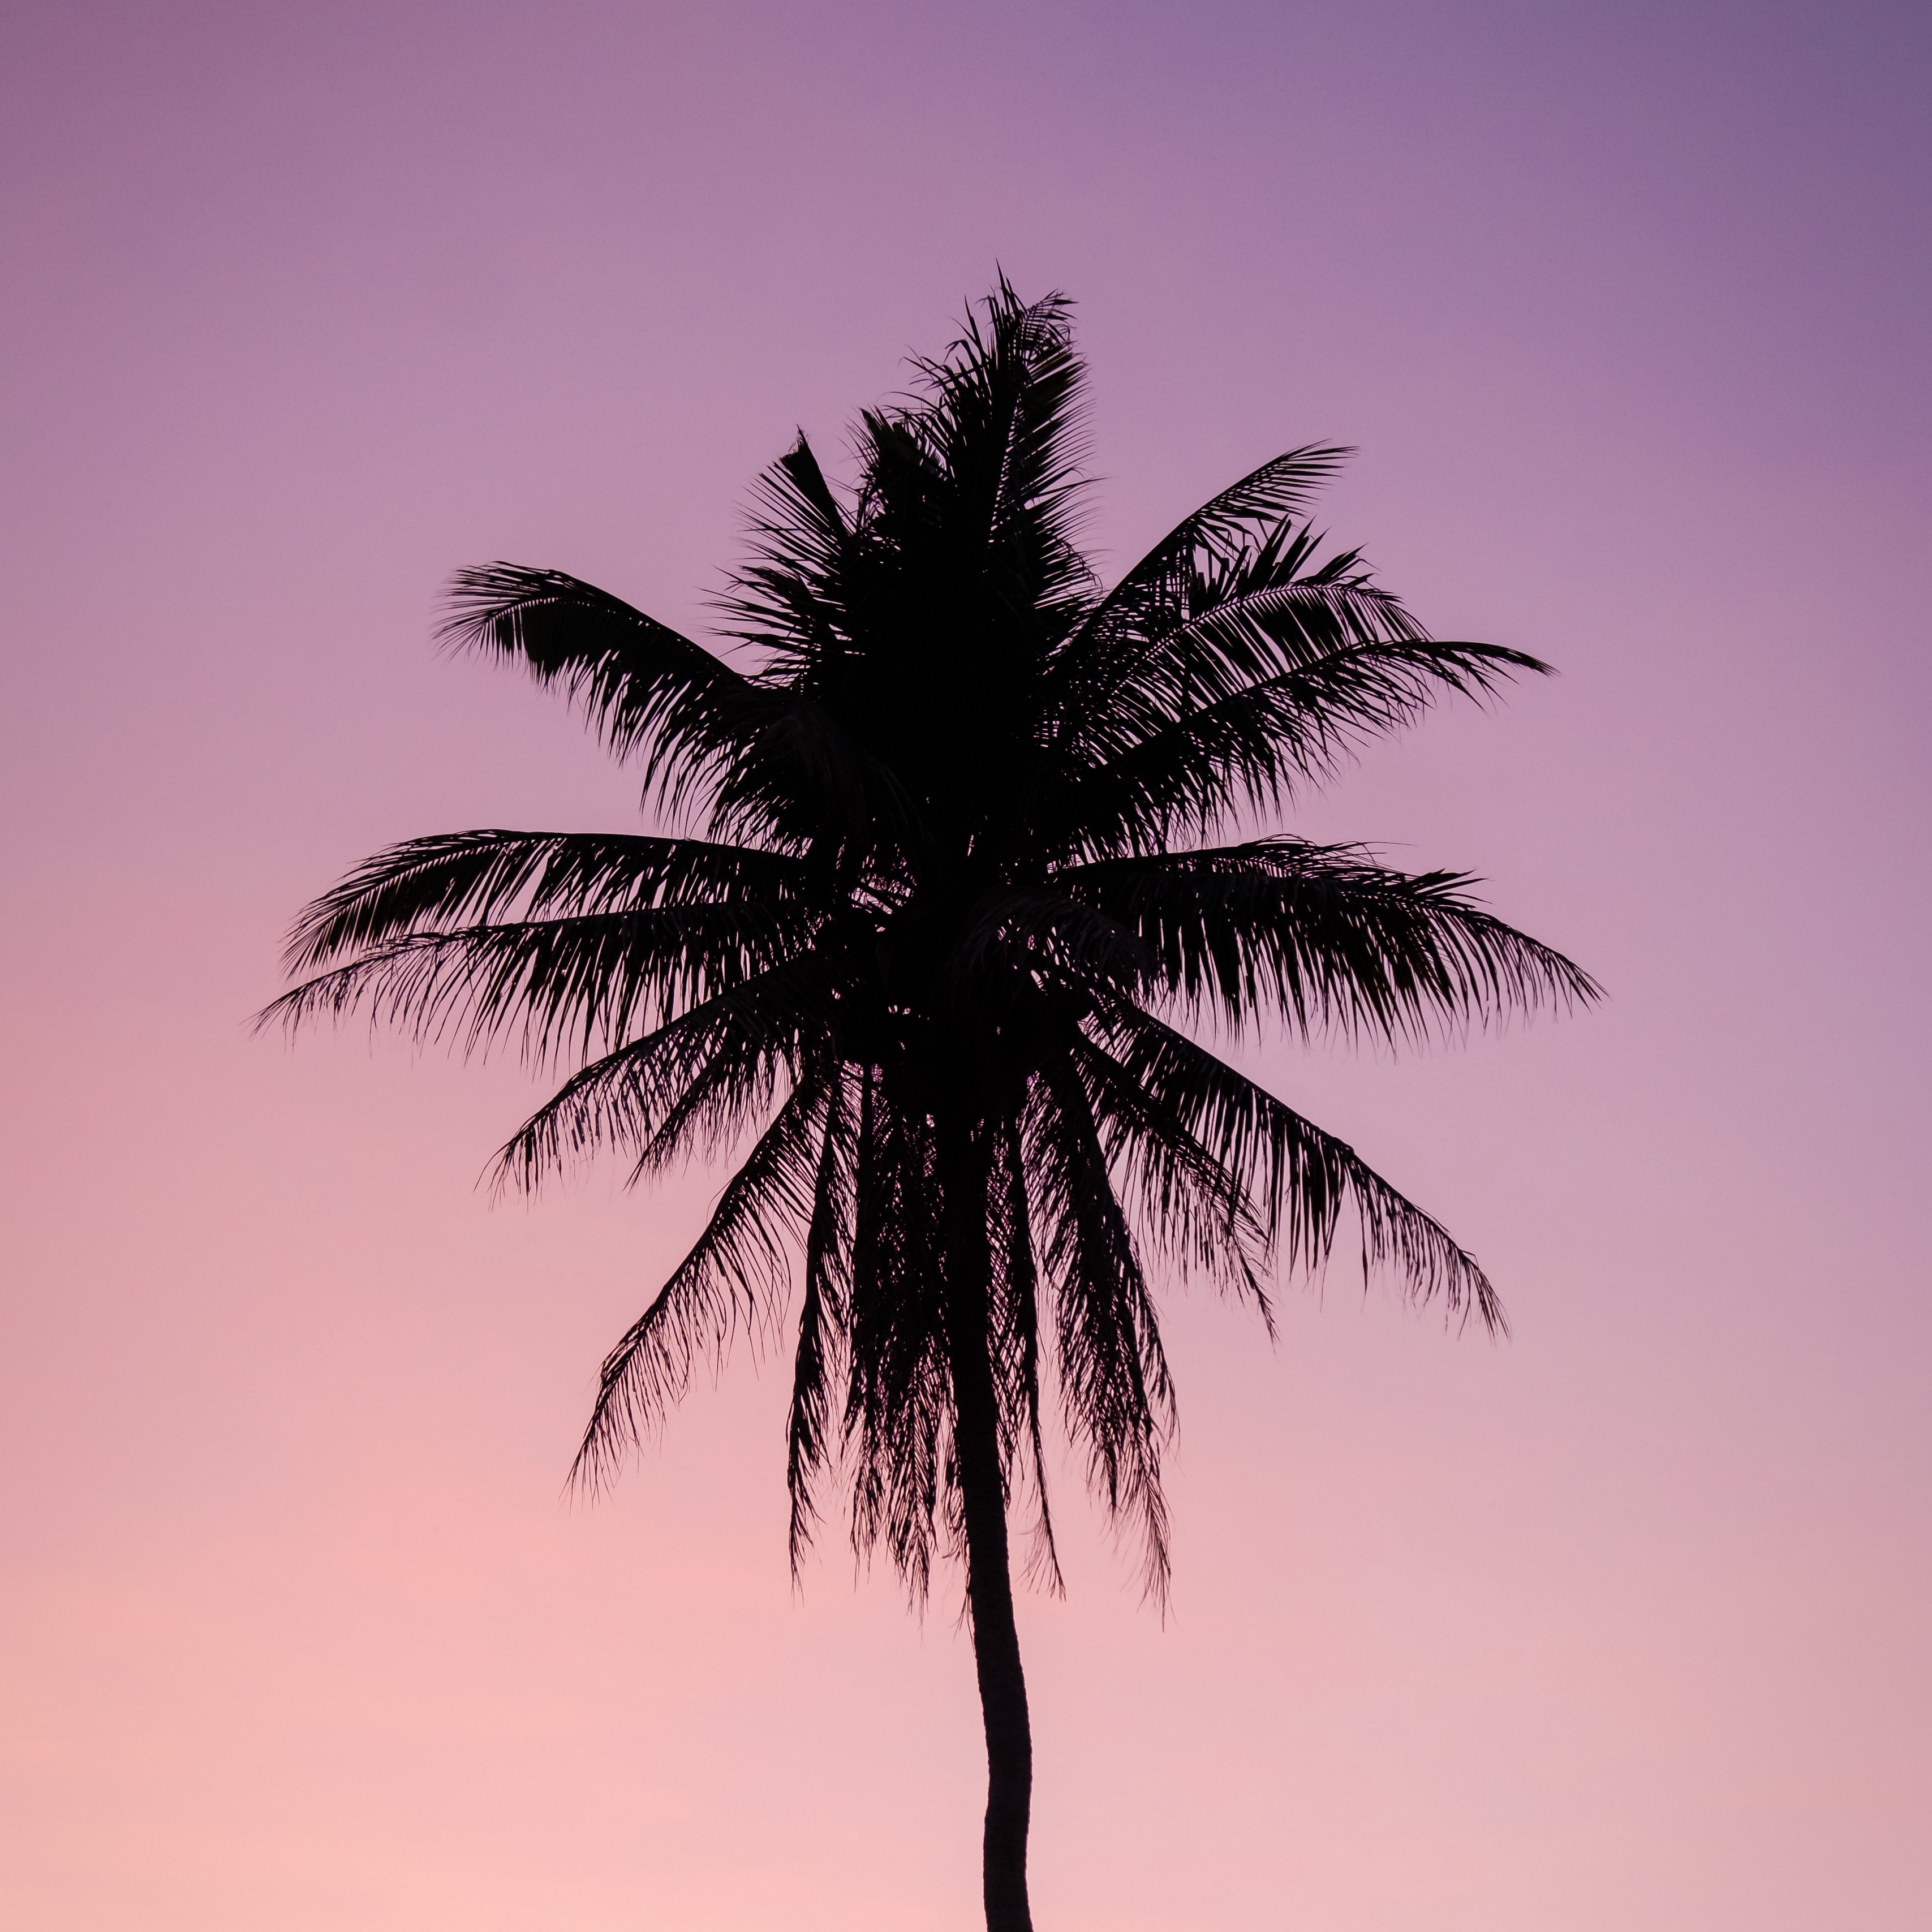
938 914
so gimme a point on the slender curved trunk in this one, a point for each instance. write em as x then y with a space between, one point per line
989 1588
1003 1699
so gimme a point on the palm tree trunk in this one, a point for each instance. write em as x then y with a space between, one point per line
989 1588
1003 1699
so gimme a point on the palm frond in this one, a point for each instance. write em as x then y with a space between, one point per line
734 1276
691 1085
1255 748
1323 936
1269 496
1298 1177
1194 1208
648 691
1089 667
799 602
477 877
1005 428
809 1441
1115 1385
554 985
1238 623
1016 1351
897 1425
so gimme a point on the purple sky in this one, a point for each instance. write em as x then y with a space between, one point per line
1619 1624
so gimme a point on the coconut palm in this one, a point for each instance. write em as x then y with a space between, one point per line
958 856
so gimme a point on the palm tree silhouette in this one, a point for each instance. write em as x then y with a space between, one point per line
940 954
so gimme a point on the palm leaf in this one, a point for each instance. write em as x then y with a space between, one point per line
822 1320
1089 667
728 1055
1195 1208
1114 1381
733 1277
1300 1178
1017 1350
897 1409
1256 747
554 984
1324 936
646 690
477 877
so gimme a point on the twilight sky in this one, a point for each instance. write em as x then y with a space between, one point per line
1621 1623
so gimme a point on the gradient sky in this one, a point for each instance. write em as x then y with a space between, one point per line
1619 1624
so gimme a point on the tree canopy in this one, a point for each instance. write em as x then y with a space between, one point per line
964 867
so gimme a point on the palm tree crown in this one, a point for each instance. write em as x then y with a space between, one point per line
955 902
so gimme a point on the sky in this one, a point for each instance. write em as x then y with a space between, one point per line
1618 1623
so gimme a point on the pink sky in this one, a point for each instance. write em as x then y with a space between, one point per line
1620 1624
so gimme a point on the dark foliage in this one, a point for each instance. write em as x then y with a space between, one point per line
968 794
957 900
